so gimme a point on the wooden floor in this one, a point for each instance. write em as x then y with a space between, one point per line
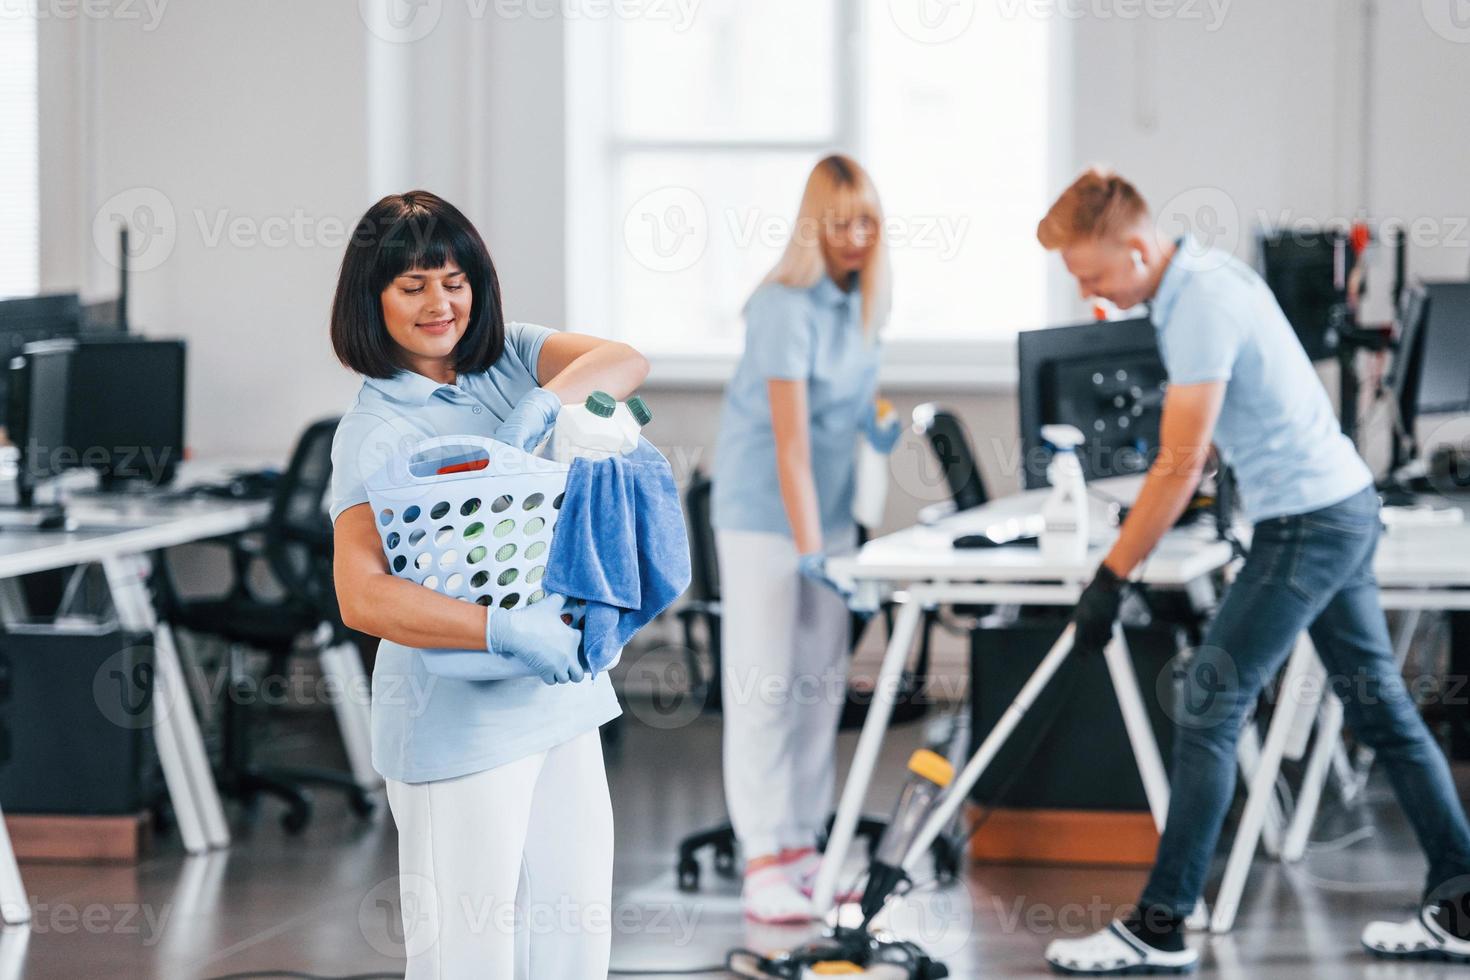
323 902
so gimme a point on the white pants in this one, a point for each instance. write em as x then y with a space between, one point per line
508 872
784 682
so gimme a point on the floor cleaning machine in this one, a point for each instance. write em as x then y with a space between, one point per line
927 804
863 951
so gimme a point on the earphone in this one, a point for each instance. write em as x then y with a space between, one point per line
1138 265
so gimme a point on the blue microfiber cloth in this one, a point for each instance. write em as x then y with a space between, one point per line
620 544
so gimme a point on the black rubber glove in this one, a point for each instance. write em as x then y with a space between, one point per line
1097 610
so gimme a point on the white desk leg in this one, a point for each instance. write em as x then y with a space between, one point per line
180 745
13 943
1327 746
13 606
1249 757
1140 731
342 664
1263 786
1309 705
855 790
15 906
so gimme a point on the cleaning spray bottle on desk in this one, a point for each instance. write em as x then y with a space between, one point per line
1064 515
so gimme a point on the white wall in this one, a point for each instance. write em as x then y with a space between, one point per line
268 109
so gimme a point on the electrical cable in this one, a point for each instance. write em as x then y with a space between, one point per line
692 971
1340 843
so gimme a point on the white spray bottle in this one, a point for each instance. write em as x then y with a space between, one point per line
1064 515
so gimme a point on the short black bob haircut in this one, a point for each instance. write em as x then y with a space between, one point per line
416 230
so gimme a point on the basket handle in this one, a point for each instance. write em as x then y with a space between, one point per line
500 459
410 465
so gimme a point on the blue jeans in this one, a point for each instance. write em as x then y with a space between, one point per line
1308 571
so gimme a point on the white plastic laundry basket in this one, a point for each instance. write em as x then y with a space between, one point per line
469 517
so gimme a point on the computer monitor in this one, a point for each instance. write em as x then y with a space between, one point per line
1307 273
1431 366
38 380
114 405
1107 379
31 319
1444 366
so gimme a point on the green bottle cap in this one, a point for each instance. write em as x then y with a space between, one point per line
601 404
639 411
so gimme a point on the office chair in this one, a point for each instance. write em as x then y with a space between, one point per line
950 442
703 608
296 547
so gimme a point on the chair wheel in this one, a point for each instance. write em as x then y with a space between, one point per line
725 861
688 875
362 804
294 820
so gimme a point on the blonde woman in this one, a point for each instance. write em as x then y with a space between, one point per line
783 485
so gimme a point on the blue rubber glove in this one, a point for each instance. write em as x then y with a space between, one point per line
881 437
528 423
536 636
813 566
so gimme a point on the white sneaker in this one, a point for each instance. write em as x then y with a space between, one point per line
1422 938
770 897
1115 951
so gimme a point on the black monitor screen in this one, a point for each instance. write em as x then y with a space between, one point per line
1105 378
1444 359
44 446
125 413
33 319
1306 272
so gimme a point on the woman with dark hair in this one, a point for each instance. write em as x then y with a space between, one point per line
497 786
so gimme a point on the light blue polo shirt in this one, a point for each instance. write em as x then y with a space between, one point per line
813 335
1218 321
426 726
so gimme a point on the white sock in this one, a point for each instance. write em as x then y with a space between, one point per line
770 896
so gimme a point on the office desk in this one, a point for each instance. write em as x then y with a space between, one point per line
120 533
922 569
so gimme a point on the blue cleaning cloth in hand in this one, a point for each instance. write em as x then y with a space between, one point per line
620 544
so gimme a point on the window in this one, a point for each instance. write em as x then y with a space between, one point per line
19 189
693 142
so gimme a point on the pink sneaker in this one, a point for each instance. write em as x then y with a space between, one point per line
769 896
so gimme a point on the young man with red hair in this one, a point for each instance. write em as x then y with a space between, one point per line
1238 378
